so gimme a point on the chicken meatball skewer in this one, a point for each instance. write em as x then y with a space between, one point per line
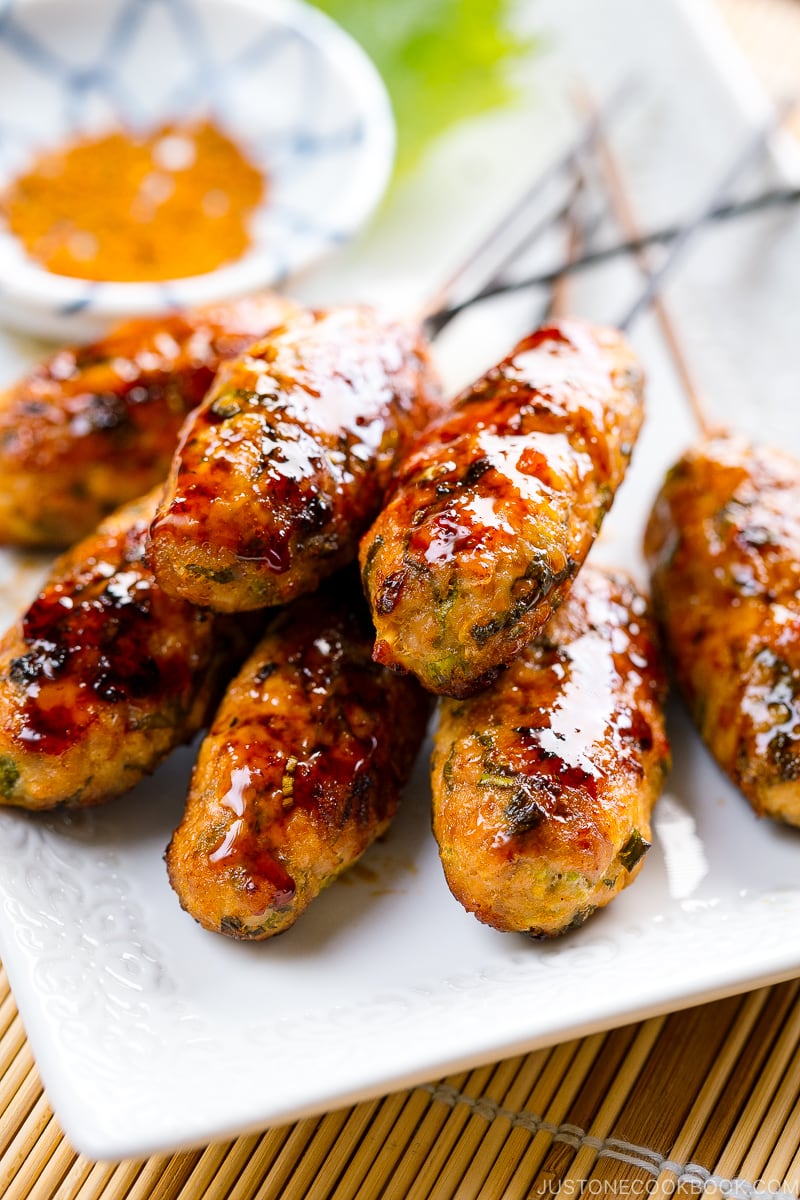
289 457
495 510
722 545
93 427
543 784
104 675
301 771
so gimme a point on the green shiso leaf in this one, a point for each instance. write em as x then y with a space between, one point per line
441 60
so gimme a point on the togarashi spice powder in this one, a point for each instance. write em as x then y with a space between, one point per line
126 207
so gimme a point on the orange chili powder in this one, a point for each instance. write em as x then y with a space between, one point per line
124 207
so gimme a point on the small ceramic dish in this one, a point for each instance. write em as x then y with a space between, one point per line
279 77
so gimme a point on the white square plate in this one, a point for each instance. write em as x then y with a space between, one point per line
152 1034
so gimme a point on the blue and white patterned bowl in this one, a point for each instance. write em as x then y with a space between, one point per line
286 82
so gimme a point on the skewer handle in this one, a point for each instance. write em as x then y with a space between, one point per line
623 209
753 148
436 312
730 210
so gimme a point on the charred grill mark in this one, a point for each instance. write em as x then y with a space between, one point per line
33 408
233 926
114 685
316 512
103 412
375 547
545 577
390 591
476 470
546 580
638 730
357 804
47 661
580 918
783 754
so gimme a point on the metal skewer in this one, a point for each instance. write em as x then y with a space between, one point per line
437 315
622 207
656 279
439 309
730 210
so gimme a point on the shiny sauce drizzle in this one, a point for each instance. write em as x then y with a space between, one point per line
585 718
310 420
89 641
326 758
241 849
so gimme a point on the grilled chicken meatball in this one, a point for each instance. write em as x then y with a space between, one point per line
723 544
301 771
96 426
104 675
543 785
496 507
282 468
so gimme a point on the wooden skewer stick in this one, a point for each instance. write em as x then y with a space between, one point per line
729 210
437 316
559 302
439 308
622 207
752 149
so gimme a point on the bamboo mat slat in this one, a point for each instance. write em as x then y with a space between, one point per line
670 1105
506 1166
715 1089
752 1129
590 1110
639 1103
573 1152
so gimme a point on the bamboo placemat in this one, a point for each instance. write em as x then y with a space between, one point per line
703 1100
